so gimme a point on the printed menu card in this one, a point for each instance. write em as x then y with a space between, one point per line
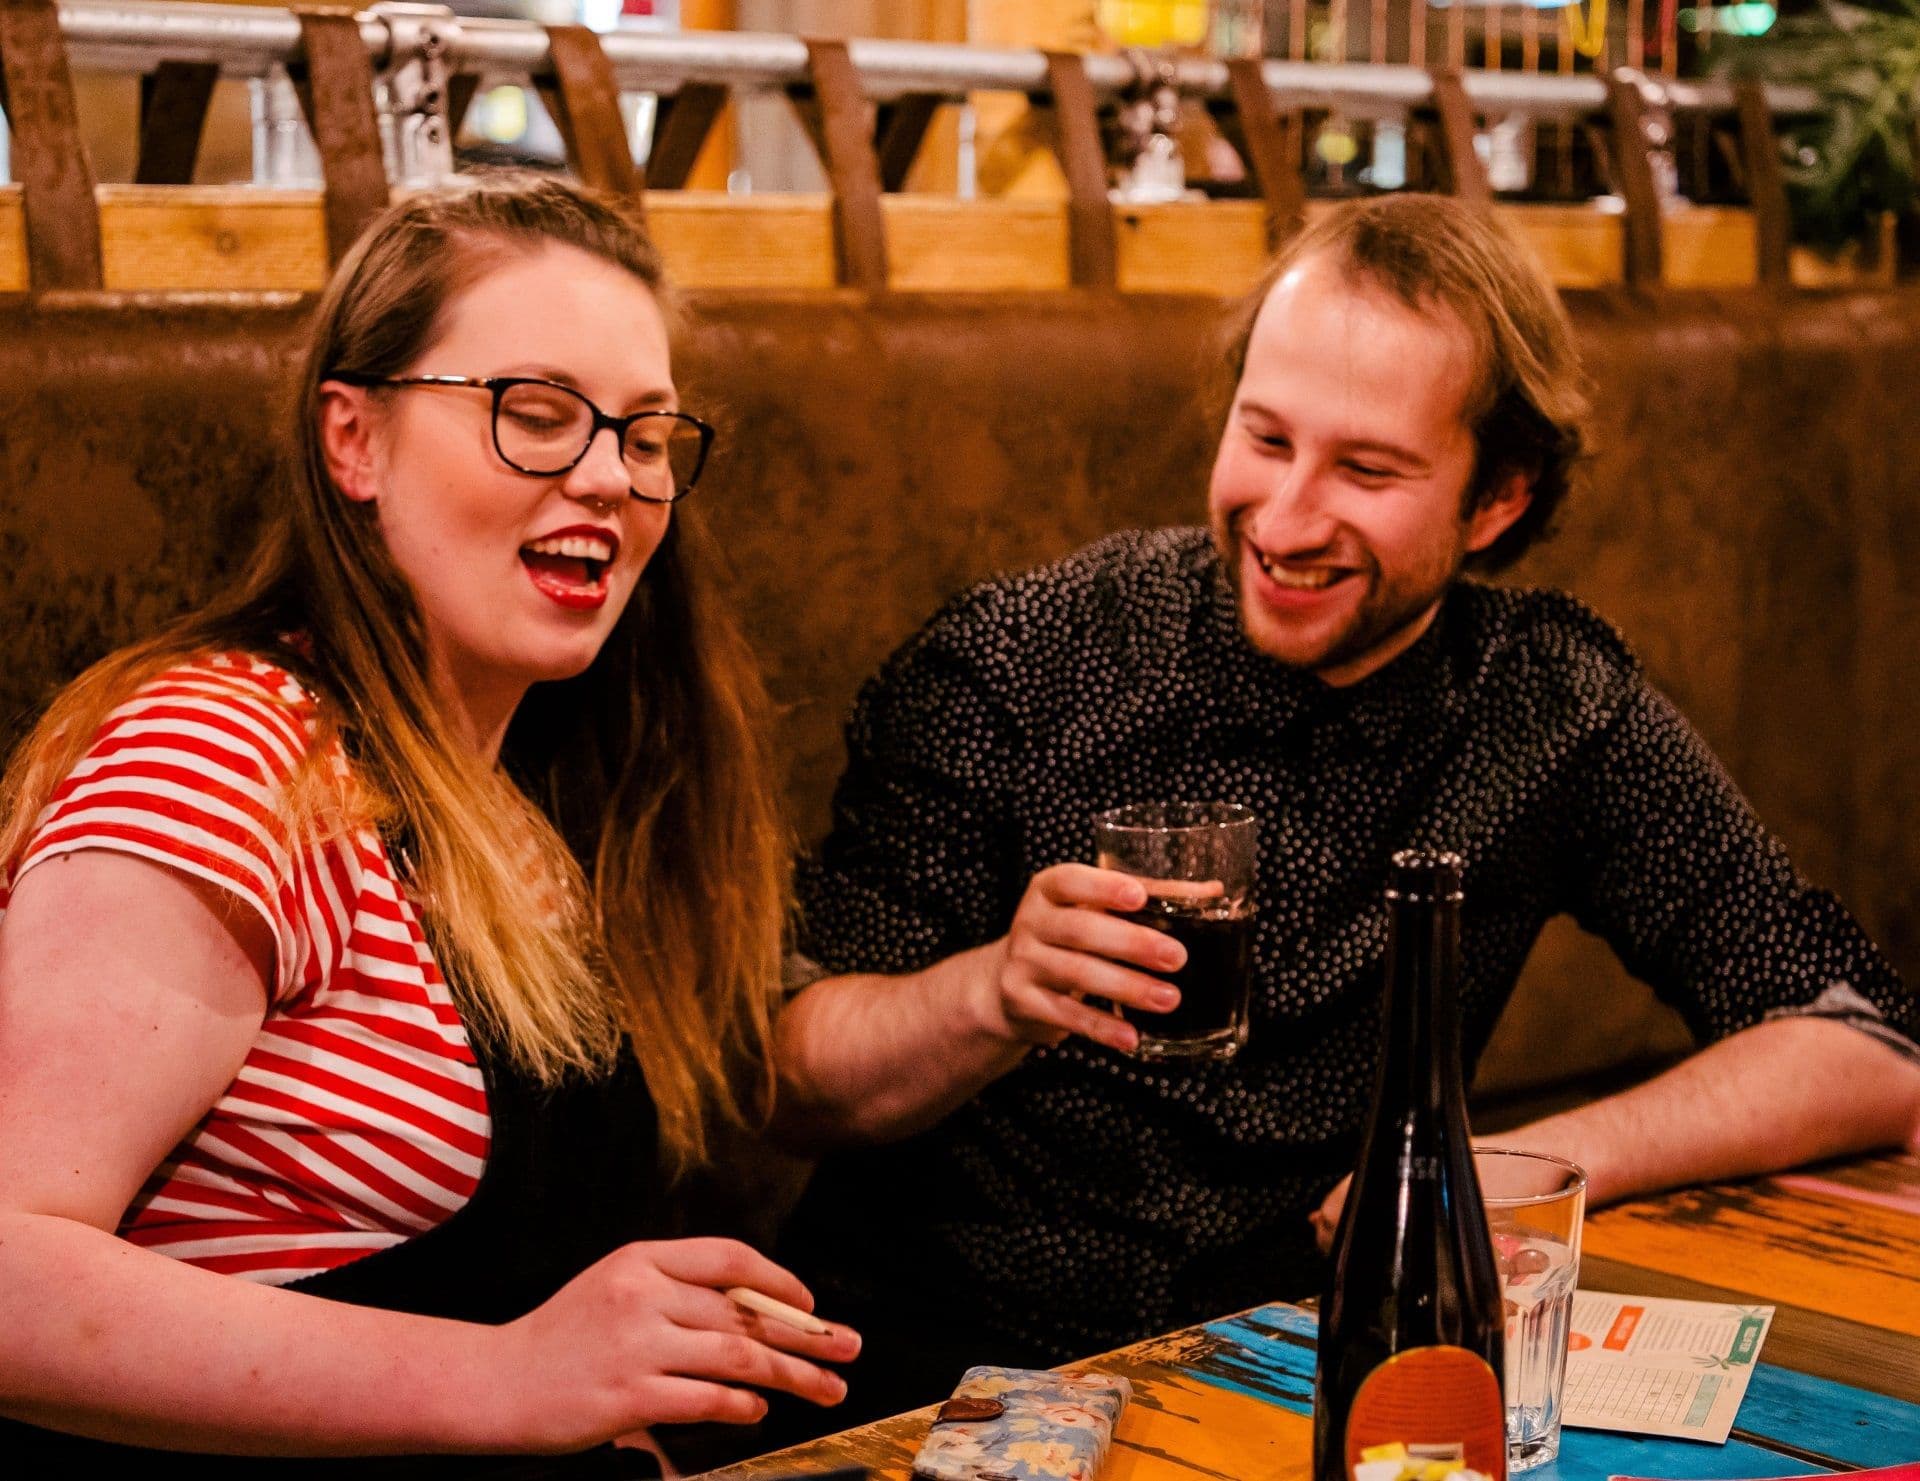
1644 1366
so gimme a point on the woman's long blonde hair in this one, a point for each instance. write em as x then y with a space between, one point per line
623 873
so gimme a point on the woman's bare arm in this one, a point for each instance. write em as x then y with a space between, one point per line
128 998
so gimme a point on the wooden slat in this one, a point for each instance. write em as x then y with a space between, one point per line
680 130
173 114
1578 247
1633 168
1710 247
937 244
1853 1425
49 156
1592 1455
899 131
335 83
1075 130
1218 247
1185 1423
1464 175
714 240
229 238
853 169
584 101
1255 130
1766 185
1891 1180
156 238
13 241
1233 1398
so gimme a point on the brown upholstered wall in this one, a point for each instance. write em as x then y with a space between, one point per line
1750 522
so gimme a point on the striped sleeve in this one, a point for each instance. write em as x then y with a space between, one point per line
191 772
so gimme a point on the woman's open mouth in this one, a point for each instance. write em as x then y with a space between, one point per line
569 567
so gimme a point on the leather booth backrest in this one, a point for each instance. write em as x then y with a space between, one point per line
1751 520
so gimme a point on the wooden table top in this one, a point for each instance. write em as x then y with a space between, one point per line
1835 1249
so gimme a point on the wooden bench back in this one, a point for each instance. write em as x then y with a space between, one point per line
1752 522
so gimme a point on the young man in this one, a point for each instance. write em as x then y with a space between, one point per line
1010 1186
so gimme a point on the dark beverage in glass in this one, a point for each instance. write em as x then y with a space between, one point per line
1196 860
1411 1324
1213 984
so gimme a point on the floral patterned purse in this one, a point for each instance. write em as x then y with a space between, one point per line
1023 1424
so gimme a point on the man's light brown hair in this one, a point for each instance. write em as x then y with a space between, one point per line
1527 405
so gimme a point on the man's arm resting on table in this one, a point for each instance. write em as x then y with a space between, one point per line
1784 1092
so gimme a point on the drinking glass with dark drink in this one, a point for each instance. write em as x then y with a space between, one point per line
1196 860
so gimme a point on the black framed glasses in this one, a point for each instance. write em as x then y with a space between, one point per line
544 429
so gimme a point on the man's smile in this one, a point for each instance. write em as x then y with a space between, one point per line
1298 575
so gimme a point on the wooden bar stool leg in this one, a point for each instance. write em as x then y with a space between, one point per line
335 82
461 88
173 113
899 131
49 158
584 99
1766 187
1252 126
1074 130
834 108
1462 174
1633 172
681 123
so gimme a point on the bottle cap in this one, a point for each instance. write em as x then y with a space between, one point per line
1425 874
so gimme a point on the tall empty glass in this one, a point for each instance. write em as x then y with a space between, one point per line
1535 1203
1196 860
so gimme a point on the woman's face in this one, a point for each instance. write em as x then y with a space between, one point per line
519 578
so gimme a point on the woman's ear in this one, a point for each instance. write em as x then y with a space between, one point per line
347 416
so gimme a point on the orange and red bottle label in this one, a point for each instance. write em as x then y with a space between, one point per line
1428 1414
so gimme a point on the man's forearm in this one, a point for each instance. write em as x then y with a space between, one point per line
1783 1092
874 1058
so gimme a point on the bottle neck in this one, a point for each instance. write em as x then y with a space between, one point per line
1420 1030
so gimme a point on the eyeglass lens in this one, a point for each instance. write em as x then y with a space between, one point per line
544 429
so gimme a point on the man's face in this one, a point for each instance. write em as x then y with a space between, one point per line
1339 489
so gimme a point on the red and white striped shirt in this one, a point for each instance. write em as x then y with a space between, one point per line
359 1117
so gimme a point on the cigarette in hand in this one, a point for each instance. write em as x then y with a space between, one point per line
792 1316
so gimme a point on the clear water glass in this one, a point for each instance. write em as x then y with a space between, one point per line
1535 1204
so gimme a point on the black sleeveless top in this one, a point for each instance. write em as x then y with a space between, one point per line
572 1174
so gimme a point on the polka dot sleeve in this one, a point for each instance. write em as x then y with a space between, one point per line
1700 901
919 861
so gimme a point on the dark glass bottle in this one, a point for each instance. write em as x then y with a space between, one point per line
1411 1330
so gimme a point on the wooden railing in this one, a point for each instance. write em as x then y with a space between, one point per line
384 92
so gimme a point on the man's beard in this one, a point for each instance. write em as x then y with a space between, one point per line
1387 608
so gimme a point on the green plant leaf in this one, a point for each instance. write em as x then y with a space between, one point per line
1863 59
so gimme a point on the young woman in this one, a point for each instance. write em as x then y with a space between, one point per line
398 927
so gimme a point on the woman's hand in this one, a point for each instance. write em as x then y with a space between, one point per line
647 1337
1065 945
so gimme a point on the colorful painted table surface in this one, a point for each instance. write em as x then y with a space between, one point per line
1835 1249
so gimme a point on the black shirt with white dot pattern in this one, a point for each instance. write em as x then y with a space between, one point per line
1086 1199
